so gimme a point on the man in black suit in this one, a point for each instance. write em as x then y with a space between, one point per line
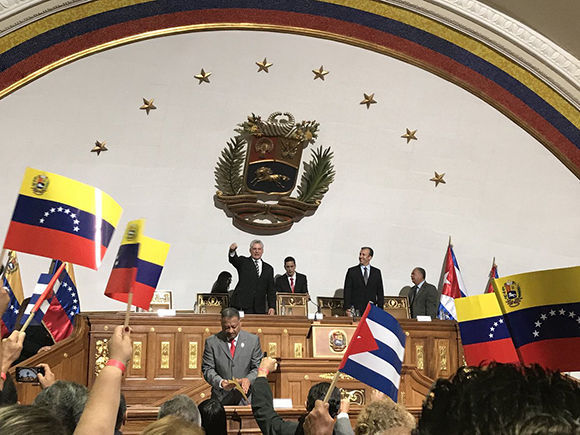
363 284
423 297
255 281
291 281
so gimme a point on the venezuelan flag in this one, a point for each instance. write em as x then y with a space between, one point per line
542 310
484 332
125 267
138 267
152 256
61 218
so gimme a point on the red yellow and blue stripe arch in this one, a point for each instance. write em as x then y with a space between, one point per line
60 38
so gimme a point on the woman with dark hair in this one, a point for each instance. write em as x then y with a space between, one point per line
213 417
222 284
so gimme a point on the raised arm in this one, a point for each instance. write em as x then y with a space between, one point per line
100 412
9 352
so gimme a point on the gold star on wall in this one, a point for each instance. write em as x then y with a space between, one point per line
369 99
319 73
99 147
438 178
203 76
264 65
148 105
409 135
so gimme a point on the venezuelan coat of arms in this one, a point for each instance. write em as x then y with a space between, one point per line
259 169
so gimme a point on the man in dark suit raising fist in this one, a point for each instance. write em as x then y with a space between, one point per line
255 281
291 281
363 284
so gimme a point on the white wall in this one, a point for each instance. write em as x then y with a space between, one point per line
506 195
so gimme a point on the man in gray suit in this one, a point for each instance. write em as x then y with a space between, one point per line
423 297
228 355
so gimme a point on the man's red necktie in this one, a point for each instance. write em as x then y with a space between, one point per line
292 284
233 347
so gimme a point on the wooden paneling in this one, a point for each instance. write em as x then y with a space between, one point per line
170 354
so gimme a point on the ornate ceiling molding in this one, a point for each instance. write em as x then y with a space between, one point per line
530 49
15 14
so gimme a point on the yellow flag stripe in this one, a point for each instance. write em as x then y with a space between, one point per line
153 251
133 232
72 193
545 287
477 307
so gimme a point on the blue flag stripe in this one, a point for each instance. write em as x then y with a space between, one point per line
544 323
148 273
478 330
388 354
385 319
127 256
371 378
58 216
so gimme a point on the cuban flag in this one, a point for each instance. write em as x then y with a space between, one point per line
59 317
9 317
453 287
376 350
38 291
492 275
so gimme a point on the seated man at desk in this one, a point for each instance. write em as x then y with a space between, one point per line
231 354
291 281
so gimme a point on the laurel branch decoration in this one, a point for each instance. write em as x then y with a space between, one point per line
317 176
228 170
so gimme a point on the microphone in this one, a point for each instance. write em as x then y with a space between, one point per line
318 315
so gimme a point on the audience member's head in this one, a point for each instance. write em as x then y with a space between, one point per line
121 414
213 417
8 394
183 407
173 425
66 400
382 415
317 392
29 420
502 399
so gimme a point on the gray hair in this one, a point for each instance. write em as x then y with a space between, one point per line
256 241
181 406
66 400
229 312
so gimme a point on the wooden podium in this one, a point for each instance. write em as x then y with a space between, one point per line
167 353
292 304
208 303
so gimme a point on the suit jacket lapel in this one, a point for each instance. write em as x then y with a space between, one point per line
286 284
224 346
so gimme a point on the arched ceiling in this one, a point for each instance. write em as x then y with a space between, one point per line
539 95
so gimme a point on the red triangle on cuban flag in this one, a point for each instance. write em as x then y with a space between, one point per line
362 340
